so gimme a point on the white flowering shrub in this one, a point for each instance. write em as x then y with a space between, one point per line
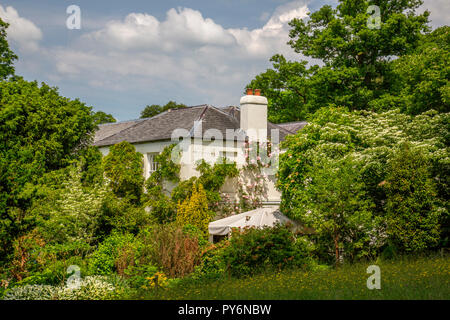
30 292
73 211
312 172
90 288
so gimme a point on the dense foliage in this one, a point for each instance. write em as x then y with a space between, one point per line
123 167
40 132
7 57
353 64
155 109
343 171
252 251
194 210
368 177
413 210
101 117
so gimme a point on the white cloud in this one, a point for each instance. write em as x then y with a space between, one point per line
21 31
185 50
184 56
439 12
182 28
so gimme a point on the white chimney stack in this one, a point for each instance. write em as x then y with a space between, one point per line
254 115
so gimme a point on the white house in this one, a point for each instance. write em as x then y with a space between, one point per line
204 132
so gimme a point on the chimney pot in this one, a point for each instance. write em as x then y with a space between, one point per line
253 119
257 92
249 92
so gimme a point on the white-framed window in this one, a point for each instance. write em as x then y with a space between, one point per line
152 164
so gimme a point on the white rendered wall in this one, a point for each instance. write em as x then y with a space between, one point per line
210 151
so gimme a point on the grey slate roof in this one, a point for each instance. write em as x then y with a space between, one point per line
161 126
293 126
109 129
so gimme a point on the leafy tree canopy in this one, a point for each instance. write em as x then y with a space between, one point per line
421 79
101 117
40 131
352 59
413 212
313 172
7 57
123 167
154 109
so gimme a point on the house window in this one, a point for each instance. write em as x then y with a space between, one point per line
152 164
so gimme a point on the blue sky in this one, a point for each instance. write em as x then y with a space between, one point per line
132 53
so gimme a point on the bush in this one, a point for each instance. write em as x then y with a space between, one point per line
91 288
123 168
70 212
122 215
213 264
103 260
162 208
138 275
370 140
195 232
53 261
253 250
194 211
412 209
40 131
25 258
172 250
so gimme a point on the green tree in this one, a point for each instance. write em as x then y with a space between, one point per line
71 212
91 166
286 87
421 79
349 46
370 139
40 131
412 208
154 109
194 210
7 57
101 117
335 205
123 167
352 60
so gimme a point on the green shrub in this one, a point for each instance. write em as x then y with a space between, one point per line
54 260
70 212
103 260
253 250
162 208
123 168
121 215
213 264
195 232
412 210
194 210
91 288
317 181
138 275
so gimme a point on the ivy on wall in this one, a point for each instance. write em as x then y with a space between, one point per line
250 180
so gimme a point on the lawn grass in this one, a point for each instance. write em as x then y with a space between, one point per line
405 278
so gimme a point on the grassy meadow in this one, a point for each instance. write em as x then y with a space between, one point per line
407 278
